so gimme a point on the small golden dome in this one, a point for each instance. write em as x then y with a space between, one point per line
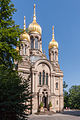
25 35
53 43
34 26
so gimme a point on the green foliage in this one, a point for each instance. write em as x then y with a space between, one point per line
13 92
41 104
50 104
13 95
74 97
9 33
66 97
64 85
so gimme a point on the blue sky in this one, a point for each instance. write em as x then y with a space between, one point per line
65 16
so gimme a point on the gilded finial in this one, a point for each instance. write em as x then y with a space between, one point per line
53 33
34 17
24 24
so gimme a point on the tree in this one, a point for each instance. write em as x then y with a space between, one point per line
64 85
9 32
13 96
14 90
66 95
66 98
74 97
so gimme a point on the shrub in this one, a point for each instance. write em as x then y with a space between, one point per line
41 104
50 104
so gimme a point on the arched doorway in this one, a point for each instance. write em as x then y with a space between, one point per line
45 99
43 96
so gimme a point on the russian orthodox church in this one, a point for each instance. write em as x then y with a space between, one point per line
46 76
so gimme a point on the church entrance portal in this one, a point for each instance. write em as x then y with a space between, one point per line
45 100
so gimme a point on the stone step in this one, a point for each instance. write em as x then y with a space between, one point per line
45 109
46 113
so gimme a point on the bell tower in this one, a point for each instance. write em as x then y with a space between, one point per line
35 32
25 41
53 49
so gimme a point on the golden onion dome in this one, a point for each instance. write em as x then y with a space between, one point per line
53 43
25 35
34 26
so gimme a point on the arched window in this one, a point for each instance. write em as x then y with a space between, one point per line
39 45
36 43
40 78
57 102
56 85
55 55
25 49
32 42
46 78
21 46
43 77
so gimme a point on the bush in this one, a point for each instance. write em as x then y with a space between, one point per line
50 104
41 104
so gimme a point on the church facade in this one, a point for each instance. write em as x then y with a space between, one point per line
46 76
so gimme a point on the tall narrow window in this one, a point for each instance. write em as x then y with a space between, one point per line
55 55
40 78
43 77
36 43
57 102
56 85
46 78
39 45
32 42
25 49
21 46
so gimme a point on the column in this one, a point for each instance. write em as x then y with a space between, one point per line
34 43
49 79
32 82
41 46
23 49
35 82
40 98
41 78
38 45
52 84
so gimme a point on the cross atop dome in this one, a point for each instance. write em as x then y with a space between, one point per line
34 16
25 35
53 33
24 24
34 26
53 43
